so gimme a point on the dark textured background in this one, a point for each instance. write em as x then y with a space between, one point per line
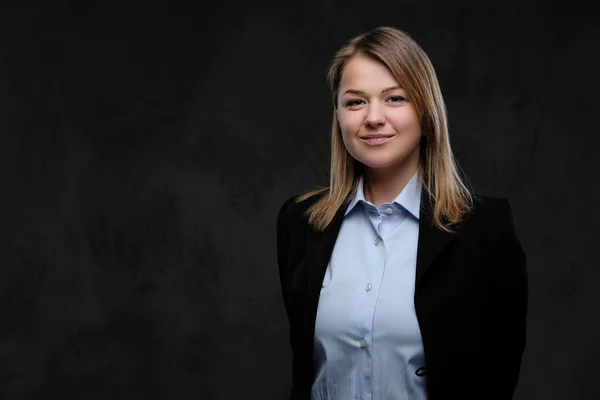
145 149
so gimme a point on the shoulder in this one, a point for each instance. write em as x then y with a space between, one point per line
489 206
293 212
490 215
292 221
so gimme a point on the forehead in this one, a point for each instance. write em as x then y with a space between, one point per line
363 73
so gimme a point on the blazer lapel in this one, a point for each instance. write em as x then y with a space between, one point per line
431 239
319 247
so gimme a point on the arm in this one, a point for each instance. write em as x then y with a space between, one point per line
283 239
284 227
507 298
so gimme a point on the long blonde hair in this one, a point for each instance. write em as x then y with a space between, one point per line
439 173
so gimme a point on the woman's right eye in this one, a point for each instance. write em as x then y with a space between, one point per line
353 103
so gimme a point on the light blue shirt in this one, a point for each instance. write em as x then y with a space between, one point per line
367 339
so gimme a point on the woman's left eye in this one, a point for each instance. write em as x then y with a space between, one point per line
396 99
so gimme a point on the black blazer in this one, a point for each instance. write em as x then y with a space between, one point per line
470 297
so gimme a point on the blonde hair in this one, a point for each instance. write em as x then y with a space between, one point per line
438 172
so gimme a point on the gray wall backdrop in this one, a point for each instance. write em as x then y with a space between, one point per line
146 147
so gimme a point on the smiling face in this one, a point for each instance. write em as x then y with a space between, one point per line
371 102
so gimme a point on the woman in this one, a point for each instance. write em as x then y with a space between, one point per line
397 280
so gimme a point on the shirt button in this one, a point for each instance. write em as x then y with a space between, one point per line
389 210
368 287
377 241
363 343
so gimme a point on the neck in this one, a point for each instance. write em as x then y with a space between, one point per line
382 185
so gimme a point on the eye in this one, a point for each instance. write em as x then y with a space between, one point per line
354 102
396 99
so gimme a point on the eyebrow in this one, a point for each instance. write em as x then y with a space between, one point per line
359 92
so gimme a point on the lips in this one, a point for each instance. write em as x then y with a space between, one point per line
376 136
375 140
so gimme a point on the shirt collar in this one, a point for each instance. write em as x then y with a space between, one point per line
409 197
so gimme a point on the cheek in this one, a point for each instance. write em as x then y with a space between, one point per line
349 123
409 119
406 120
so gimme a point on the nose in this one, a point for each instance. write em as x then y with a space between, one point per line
375 116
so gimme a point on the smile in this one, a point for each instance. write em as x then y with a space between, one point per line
377 141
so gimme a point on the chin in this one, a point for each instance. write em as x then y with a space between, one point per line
379 160
375 164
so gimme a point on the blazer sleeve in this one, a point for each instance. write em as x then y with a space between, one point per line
283 241
286 223
507 298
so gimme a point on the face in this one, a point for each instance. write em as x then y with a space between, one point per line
371 102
